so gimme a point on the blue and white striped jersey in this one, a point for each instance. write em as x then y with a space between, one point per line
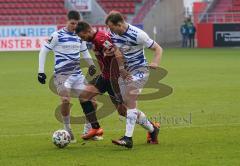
132 44
66 47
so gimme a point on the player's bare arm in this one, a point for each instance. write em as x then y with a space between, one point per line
157 55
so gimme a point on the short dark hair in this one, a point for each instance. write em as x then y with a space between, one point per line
82 27
73 15
114 17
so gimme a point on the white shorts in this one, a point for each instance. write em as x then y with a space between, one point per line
69 83
139 79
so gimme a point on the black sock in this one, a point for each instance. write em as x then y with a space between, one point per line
90 114
128 138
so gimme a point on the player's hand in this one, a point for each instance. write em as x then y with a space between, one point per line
153 65
42 78
125 74
92 70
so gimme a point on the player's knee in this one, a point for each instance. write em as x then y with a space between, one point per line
94 102
122 110
88 93
65 100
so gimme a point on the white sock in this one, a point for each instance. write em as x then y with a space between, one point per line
131 121
66 122
87 127
144 122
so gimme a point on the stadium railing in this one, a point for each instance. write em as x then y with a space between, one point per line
225 17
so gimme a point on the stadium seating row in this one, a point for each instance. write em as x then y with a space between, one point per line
48 11
226 6
29 1
236 2
30 5
122 10
124 6
23 12
235 9
224 20
225 11
127 4
43 11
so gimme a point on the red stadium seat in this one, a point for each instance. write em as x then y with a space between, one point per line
31 11
225 11
124 6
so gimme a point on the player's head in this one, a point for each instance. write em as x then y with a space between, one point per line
73 19
84 31
116 22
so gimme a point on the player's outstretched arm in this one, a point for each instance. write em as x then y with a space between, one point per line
146 41
42 58
157 55
48 46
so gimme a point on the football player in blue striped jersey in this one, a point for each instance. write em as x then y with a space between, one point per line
67 47
134 72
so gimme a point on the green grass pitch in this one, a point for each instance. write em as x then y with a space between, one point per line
200 119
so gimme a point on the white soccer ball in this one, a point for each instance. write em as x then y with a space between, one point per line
61 138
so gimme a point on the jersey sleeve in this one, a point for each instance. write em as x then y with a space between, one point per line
83 46
51 42
145 40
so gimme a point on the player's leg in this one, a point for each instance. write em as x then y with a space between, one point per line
131 117
186 41
152 127
142 120
86 128
183 41
117 100
89 93
190 41
113 90
131 113
90 132
95 87
85 95
63 92
90 114
193 41
65 112
130 92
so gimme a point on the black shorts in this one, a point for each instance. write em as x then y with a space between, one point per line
104 85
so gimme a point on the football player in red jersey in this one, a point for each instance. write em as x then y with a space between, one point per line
102 46
106 53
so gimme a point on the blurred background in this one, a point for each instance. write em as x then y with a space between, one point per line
24 24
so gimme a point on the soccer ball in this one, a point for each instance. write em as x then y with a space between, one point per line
61 138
